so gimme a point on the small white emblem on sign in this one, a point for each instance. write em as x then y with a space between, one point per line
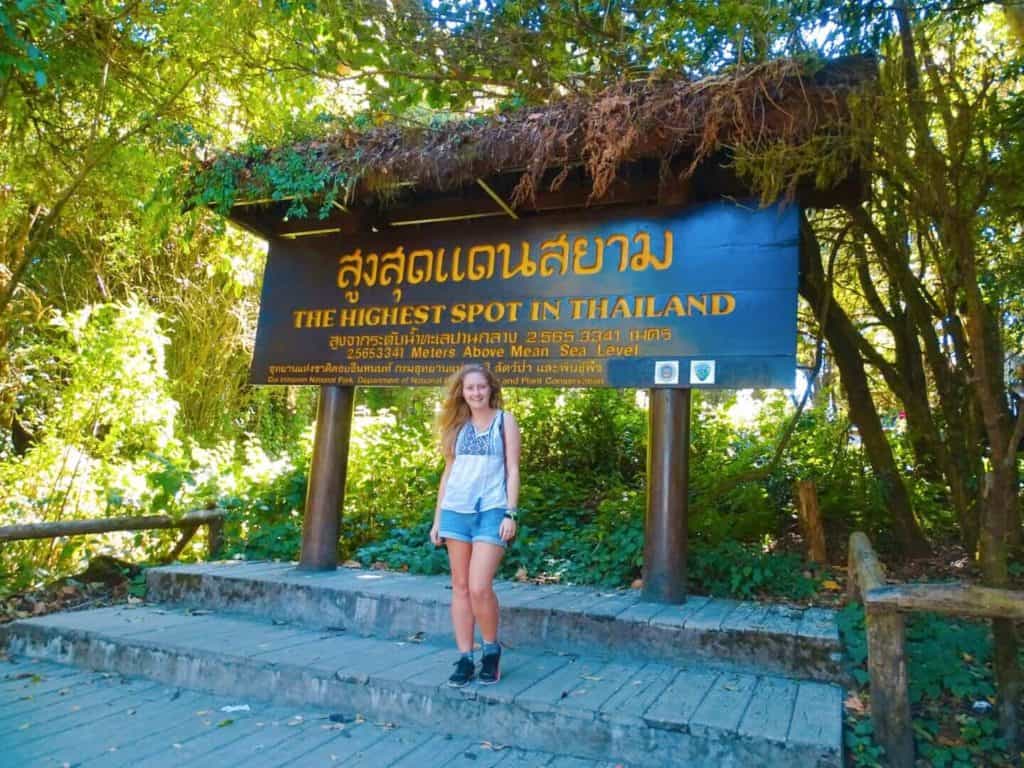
666 372
702 371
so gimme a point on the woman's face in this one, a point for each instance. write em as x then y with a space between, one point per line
476 391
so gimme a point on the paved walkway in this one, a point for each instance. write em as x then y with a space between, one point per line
57 715
589 705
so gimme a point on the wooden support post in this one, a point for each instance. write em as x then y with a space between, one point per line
215 539
887 661
887 665
890 695
326 492
186 537
810 520
1009 686
668 465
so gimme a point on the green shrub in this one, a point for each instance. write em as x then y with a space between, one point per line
949 669
407 549
733 569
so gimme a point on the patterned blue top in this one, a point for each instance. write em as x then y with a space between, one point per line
477 479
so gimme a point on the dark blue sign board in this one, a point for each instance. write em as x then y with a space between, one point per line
701 297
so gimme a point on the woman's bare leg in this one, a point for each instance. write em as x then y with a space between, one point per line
459 553
482 567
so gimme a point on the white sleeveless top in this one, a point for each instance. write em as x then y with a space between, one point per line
477 479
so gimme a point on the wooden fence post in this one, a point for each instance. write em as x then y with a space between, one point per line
890 695
215 539
887 661
810 520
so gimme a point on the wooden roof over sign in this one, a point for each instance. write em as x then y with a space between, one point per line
656 141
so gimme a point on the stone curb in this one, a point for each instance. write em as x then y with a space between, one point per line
764 638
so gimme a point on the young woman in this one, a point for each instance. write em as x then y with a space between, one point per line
476 510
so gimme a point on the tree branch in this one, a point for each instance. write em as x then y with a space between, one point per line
1016 437
46 227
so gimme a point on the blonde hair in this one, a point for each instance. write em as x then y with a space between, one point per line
455 410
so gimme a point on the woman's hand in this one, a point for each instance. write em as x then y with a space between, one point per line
435 534
507 530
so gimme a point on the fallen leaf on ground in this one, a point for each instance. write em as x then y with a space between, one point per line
854 703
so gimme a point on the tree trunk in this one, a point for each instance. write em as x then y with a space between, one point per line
956 446
999 511
842 337
1000 515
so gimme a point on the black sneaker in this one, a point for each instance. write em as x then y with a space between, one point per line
490 668
464 671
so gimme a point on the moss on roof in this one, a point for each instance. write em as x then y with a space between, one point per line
794 118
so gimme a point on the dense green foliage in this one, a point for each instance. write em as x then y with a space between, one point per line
103 103
951 692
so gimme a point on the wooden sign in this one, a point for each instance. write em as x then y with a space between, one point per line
699 297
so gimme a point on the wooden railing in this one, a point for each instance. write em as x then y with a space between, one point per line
885 606
189 523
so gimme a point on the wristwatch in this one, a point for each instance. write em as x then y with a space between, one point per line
512 513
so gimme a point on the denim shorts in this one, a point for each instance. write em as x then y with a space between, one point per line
473 526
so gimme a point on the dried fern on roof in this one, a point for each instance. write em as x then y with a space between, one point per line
778 111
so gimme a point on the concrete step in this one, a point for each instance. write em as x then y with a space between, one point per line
595 707
52 715
797 643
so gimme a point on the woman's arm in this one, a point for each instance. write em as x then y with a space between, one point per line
513 446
